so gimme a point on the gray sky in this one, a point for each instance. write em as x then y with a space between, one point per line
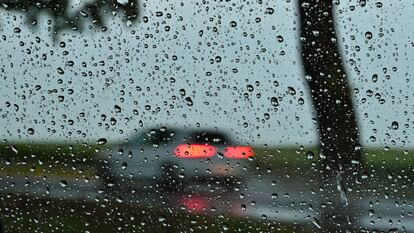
141 75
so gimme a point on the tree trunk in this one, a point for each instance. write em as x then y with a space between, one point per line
331 98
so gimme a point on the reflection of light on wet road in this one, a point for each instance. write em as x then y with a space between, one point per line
195 204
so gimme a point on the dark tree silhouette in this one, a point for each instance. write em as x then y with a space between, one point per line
64 17
332 101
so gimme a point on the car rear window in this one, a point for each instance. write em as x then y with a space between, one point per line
154 137
209 137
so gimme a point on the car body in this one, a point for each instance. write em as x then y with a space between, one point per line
176 158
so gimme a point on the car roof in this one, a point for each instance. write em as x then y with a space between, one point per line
193 135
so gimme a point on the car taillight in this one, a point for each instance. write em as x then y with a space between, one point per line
238 152
195 204
195 151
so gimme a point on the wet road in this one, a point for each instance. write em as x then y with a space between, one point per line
281 200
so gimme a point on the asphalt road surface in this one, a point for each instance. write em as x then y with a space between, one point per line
285 200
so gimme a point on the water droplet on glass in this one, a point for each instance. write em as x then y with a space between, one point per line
14 149
394 125
269 11
30 131
279 38
243 207
378 4
63 183
368 35
341 189
374 78
274 101
291 91
122 2
189 101
101 141
310 155
316 222
225 227
117 109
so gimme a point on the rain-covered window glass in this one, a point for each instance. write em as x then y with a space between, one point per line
206 116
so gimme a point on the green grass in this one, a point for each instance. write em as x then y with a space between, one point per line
389 158
50 170
49 159
275 157
78 159
372 157
64 152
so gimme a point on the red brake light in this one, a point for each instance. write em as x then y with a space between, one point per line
238 152
195 151
195 204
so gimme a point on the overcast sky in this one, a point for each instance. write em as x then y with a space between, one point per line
135 76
